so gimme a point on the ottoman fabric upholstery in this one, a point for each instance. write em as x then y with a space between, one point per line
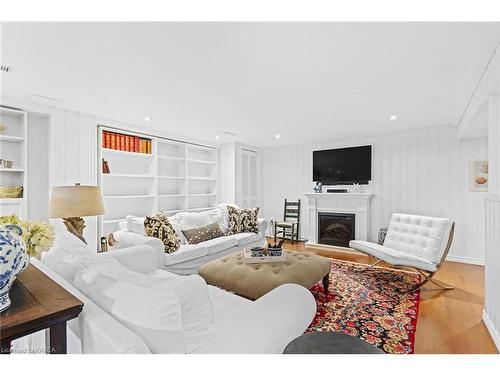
255 280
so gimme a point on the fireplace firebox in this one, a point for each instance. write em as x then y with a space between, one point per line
336 229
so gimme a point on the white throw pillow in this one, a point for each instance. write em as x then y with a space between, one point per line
136 224
224 225
171 315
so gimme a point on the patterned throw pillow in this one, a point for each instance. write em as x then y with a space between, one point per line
205 233
242 220
158 226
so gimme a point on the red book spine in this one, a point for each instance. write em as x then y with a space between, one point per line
104 138
122 142
127 143
136 144
112 141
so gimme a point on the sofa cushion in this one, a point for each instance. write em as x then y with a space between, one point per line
219 244
65 254
246 238
186 253
158 226
172 315
205 233
392 256
242 220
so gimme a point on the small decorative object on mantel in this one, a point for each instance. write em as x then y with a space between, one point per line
318 188
13 260
355 188
478 175
2 128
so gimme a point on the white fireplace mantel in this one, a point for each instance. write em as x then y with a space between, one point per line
352 203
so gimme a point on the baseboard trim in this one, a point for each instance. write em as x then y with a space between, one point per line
491 329
458 259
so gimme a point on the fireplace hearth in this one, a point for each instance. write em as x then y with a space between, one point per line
336 229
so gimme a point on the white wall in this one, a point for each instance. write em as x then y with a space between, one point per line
421 171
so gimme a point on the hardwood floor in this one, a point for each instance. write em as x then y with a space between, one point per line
449 321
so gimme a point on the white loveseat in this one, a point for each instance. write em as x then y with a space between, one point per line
236 325
189 258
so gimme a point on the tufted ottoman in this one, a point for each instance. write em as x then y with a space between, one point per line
255 280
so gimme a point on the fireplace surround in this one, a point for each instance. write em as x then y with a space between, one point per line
357 204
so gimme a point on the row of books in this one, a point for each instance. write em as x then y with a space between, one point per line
125 142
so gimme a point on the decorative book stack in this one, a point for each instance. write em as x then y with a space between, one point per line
125 142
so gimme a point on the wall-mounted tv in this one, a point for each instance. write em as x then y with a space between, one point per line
343 166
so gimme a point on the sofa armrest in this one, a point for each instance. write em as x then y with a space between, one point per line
140 258
265 336
263 223
128 239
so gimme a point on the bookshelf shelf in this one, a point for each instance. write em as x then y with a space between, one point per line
11 170
176 176
127 175
126 153
14 147
10 138
128 196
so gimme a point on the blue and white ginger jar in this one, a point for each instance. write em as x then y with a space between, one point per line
13 260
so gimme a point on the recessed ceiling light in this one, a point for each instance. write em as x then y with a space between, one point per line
277 136
217 137
393 117
147 119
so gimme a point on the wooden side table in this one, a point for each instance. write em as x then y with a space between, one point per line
38 303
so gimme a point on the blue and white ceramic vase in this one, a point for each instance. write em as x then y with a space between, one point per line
13 260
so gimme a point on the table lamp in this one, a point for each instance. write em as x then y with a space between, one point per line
72 202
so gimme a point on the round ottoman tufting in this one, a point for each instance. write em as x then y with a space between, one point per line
255 280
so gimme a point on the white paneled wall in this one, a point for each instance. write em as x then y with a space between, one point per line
38 160
421 171
73 157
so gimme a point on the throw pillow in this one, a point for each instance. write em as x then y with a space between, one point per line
242 220
205 233
158 226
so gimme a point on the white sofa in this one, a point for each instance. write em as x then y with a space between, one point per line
189 258
238 325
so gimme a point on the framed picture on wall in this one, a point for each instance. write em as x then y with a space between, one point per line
478 175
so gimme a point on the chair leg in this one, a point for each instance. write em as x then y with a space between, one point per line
428 278
275 232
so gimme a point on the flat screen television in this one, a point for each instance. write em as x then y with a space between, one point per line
343 166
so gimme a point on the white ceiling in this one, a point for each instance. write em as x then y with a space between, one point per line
306 81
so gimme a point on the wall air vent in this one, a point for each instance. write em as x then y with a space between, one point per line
5 68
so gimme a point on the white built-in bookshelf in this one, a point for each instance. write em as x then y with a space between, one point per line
14 147
176 176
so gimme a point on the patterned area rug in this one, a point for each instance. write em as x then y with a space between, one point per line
367 305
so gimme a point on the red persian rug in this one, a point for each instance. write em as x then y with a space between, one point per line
366 303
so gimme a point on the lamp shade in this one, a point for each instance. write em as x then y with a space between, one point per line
76 201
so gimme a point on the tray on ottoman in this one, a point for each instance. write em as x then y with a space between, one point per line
254 280
248 258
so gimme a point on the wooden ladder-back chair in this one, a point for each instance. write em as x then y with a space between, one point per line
289 228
